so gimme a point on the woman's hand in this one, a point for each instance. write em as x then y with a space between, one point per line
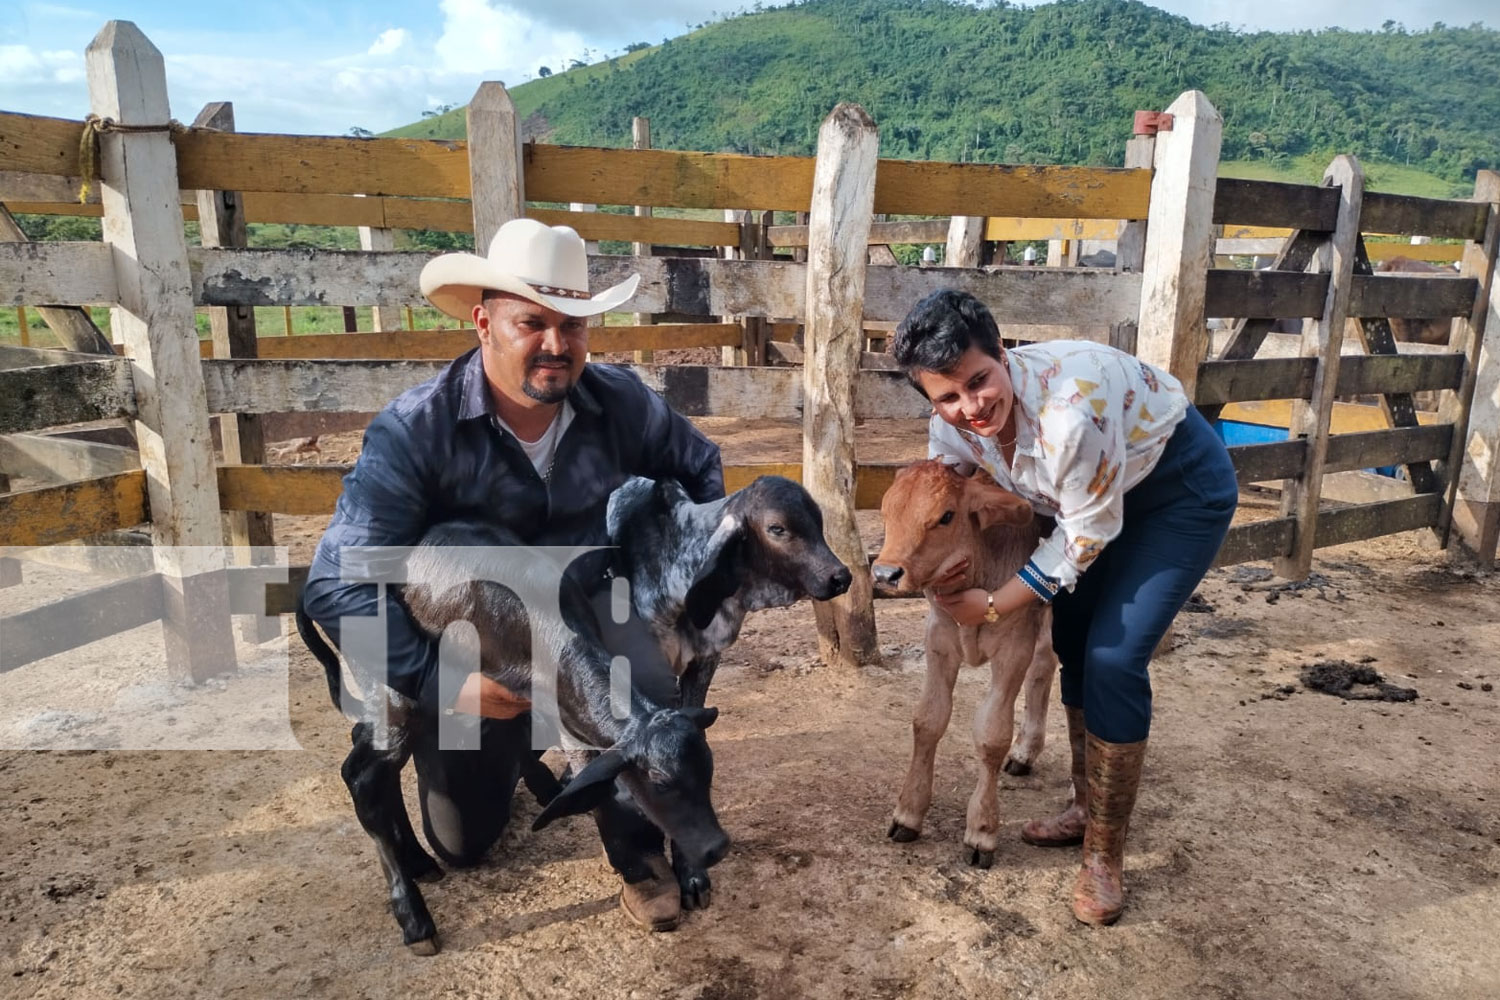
967 607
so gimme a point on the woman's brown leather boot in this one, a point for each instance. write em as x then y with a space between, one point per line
1114 776
1066 828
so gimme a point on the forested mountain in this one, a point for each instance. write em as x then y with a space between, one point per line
1051 84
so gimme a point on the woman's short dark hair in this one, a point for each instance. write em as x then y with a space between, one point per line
939 329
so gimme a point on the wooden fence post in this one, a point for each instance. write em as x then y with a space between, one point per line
1473 494
1322 337
1130 247
640 138
1173 333
221 223
965 241
143 225
497 176
383 319
843 201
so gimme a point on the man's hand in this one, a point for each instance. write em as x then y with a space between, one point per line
486 696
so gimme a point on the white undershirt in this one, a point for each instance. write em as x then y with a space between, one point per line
543 450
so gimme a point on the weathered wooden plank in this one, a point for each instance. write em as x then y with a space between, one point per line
1004 229
1355 524
1347 417
33 274
1437 253
1273 203
904 231
1256 541
407 345
80 619
1265 294
1278 460
34 398
665 337
1025 295
1397 446
1411 297
1403 215
1322 339
275 386
1292 378
232 276
666 177
1270 378
49 460
1257 463
311 490
725 180
244 161
51 514
1171 329
641 229
12 357
281 489
911 187
965 243
37 145
73 326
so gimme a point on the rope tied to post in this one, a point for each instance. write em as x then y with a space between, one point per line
88 145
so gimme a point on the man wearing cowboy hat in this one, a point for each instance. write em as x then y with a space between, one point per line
521 432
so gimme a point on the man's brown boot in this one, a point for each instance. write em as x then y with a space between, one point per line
1065 828
1113 776
654 903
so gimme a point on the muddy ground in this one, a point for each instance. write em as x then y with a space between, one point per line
1287 844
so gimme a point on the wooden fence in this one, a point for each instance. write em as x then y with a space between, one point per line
1155 302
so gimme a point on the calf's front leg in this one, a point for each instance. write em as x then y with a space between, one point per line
934 709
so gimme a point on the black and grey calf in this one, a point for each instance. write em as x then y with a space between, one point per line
654 761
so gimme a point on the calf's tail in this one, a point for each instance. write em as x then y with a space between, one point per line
330 660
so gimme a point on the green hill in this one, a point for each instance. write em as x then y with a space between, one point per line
1053 84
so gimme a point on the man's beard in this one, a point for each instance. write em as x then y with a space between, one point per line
552 393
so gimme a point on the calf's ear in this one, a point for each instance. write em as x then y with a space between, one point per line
700 717
718 577
993 505
588 789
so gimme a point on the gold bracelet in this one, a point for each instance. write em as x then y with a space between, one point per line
990 614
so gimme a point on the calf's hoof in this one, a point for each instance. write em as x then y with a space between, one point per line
980 858
1016 767
901 833
426 947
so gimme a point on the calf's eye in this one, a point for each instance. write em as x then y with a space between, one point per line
947 517
775 529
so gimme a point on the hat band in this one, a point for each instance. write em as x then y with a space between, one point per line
567 293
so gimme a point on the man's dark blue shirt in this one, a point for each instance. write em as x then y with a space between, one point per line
437 454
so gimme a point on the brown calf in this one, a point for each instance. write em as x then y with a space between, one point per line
934 518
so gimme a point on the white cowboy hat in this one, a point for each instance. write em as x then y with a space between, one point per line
546 264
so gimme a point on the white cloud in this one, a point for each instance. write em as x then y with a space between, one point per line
483 38
389 41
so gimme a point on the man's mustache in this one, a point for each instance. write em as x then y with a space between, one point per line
544 359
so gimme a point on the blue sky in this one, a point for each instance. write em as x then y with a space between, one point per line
376 64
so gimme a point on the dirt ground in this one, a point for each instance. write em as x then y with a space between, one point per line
1287 843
